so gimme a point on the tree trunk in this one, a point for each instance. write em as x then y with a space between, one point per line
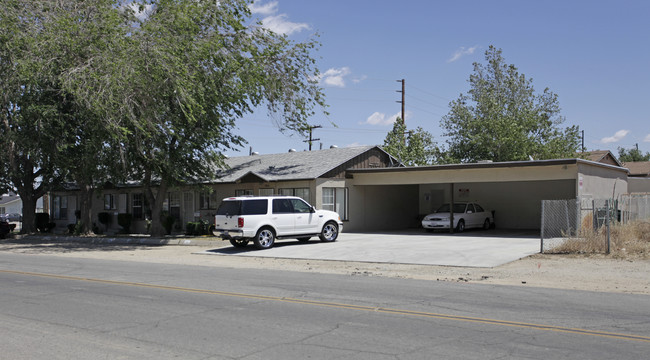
85 207
29 210
157 229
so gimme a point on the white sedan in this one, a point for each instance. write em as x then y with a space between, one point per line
466 215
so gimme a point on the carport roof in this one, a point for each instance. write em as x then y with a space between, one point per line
489 165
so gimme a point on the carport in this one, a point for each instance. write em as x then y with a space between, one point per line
396 198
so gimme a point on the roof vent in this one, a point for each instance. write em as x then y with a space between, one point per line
334 147
292 150
255 153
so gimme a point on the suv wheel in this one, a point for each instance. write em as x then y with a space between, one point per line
264 238
239 243
329 232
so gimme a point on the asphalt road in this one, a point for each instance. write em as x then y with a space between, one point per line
62 308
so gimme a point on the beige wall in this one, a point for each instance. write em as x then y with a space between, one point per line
596 182
638 185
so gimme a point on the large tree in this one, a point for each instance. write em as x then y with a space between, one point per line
632 155
502 118
188 70
411 147
48 132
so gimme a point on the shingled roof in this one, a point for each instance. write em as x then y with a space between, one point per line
602 156
638 168
301 165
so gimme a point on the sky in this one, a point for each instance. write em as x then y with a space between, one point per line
595 55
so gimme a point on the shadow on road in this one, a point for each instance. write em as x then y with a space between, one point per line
52 245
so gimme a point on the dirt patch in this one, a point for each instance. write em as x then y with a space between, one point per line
579 272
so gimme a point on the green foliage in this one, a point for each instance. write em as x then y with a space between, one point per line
632 155
168 223
125 220
415 147
198 228
502 118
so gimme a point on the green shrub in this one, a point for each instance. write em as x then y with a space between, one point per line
41 220
198 228
168 223
124 220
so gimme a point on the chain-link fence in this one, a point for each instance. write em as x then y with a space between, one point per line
564 220
560 219
634 207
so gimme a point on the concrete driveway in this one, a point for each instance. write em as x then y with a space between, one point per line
470 249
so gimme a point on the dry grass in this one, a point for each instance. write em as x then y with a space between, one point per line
629 241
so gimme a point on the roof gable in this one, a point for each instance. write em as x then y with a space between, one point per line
602 156
305 165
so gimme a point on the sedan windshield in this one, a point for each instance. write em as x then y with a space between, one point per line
458 208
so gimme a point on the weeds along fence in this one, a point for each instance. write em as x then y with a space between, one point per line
575 218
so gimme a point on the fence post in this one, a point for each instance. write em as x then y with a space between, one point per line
607 223
541 242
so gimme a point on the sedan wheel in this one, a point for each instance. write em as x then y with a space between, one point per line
461 226
330 232
486 224
264 238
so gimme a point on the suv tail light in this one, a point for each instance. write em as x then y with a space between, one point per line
240 222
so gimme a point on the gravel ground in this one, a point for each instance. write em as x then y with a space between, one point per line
592 273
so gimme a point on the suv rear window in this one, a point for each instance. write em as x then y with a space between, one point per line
243 207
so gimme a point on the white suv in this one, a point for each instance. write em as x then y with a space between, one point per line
266 218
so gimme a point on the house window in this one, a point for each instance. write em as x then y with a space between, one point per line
266 192
243 192
60 204
137 208
208 200
3 210
175 205
336 199
299 192
109 202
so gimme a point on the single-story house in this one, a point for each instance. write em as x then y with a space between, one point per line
639 177
12 204
372 191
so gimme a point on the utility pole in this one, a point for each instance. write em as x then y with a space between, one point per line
402 102
310 133
583 141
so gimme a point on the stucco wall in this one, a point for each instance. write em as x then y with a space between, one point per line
638 185
596 182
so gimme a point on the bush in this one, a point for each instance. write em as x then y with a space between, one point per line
124 220
71 228
198 228
168 223
41 221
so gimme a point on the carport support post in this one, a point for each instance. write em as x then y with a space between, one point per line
451 210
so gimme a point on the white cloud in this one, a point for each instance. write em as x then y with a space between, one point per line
462 52
647 138
258 7
381 119
275 22
335 77
359 79
279 24
616 138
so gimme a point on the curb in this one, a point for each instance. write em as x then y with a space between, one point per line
174 241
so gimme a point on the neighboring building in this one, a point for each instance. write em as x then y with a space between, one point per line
316 176
12 204
371 192
601 156
639 177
